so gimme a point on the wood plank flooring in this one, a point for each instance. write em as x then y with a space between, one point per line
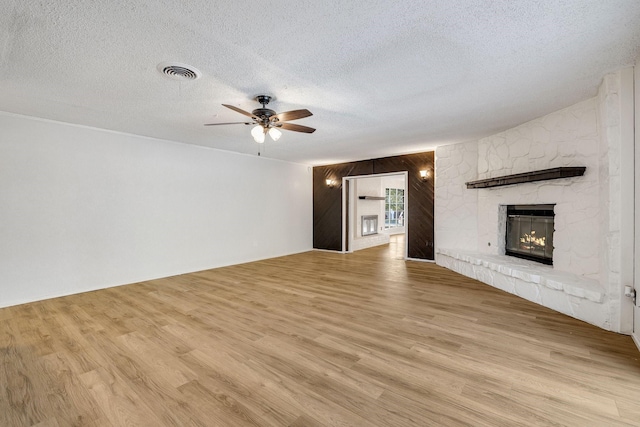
315 339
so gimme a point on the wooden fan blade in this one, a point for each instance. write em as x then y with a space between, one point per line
292 115
296 128
232 123
238 110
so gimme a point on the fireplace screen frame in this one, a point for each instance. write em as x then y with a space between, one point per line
534 234
369 225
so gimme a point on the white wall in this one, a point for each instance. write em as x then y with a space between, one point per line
84 208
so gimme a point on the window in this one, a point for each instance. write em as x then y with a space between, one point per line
393 208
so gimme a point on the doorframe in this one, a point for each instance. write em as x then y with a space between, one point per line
348 209
635 284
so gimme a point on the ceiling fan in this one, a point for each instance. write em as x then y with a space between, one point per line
268 121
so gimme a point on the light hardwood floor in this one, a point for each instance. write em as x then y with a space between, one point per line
315 339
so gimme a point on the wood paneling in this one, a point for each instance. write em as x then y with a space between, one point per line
327 202
313 339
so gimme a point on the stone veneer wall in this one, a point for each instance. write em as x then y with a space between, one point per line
586 240
565 138
456 208
616 198
469 219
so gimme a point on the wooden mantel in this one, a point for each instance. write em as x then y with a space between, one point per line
371 198
519 178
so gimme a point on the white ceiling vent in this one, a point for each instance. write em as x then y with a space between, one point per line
177 71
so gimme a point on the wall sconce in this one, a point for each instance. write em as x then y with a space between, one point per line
331 183
425 174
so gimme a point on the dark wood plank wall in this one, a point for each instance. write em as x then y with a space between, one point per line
327 202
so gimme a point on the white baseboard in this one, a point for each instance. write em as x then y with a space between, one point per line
329 250
636 340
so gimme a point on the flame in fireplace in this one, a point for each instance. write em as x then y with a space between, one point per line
530 240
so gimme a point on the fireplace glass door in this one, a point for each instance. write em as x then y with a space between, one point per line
530 236
369 225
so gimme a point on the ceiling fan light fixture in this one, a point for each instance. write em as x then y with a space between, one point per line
258 134
275 134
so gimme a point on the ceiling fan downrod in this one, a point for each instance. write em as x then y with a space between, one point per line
263 99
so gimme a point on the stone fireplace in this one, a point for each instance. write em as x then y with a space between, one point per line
587 270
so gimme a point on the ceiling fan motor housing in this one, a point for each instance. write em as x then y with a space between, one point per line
263 113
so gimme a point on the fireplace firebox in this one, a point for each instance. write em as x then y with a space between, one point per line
369 225
530 232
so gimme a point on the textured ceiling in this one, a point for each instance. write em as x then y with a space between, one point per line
382 77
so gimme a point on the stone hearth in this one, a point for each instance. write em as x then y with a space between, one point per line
561 291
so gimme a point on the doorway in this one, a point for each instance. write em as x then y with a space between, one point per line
383 196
